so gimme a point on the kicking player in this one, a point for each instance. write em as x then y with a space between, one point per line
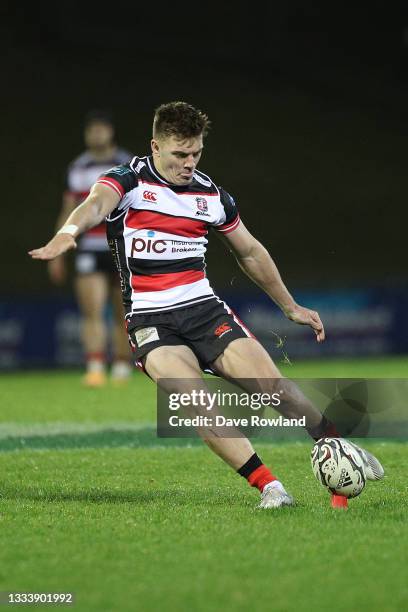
95 276
159 210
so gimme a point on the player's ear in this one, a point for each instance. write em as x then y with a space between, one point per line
155 147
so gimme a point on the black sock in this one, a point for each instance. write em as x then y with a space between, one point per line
250 466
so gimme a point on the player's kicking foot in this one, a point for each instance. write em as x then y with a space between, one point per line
373 468
275 496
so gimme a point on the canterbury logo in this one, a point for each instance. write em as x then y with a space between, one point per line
222 329
150 196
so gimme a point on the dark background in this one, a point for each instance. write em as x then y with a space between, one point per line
309 112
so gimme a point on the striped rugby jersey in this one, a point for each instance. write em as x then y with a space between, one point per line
158 235
81 175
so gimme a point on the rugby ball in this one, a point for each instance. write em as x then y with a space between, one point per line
338 467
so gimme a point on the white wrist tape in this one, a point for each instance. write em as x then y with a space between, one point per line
68 229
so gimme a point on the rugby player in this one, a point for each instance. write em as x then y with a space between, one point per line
159 209
95 275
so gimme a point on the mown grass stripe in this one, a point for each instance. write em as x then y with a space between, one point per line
8 429
95 436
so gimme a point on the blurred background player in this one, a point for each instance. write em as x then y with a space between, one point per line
96 280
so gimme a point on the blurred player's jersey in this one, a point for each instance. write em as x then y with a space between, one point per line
158 235
82 173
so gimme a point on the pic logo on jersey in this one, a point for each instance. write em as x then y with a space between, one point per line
222 329
151 246
149 196
202 204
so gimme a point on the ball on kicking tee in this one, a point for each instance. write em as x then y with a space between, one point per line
338 467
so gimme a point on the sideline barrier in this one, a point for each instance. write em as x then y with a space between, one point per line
46 332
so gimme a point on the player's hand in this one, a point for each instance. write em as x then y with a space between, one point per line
304 316
57 270
61 243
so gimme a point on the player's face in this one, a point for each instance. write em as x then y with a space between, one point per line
98 135
177 159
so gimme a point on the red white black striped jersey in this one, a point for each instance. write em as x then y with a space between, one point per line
81 175
158 235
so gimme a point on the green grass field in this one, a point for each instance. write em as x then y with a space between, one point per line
92 502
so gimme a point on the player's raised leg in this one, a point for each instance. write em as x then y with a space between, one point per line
92 292
245 360
179 362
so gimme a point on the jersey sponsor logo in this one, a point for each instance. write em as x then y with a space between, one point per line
178 246
149 196
150 246
222 329
145 335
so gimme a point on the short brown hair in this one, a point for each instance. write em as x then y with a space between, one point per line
179 119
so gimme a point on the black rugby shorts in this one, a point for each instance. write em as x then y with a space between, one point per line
206 328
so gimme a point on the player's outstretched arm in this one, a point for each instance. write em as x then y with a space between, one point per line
57 267
256 262
101 201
